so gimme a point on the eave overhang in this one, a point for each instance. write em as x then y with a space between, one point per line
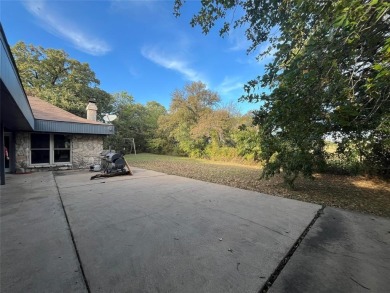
71 127
15 109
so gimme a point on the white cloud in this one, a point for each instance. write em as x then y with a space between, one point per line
66 29
238 40
257 60
174 63
230 84
269 56
150 5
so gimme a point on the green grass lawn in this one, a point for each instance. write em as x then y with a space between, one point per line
355 193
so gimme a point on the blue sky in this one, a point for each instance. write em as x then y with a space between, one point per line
136 46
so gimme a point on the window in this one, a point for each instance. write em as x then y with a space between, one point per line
40 148
61 148
50 148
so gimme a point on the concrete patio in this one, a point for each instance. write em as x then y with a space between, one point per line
153 232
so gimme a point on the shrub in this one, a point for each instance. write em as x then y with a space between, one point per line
341 164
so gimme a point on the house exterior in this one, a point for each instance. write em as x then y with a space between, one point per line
60 140
35 135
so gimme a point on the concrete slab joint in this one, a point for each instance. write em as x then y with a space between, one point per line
72 237
37 254
291 252
343 252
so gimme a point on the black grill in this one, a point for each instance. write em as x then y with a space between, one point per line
113 162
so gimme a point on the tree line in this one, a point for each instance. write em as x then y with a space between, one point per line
194 125
329 80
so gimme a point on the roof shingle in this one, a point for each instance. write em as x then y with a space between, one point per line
43 110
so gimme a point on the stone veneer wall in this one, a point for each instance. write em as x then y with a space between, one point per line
85 150
22 149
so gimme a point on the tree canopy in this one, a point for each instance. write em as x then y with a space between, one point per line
197 126
187 109
52 75
134 121
330 76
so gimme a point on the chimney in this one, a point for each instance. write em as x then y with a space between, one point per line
91 110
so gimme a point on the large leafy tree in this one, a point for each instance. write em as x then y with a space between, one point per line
189 111
134 121
52 75
330 75
197 125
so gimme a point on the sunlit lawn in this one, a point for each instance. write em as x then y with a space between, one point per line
352 193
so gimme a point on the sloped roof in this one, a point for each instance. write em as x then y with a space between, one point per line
43 110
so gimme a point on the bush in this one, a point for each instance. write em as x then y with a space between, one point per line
248 140
223 153
340 164
378 160
163 146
